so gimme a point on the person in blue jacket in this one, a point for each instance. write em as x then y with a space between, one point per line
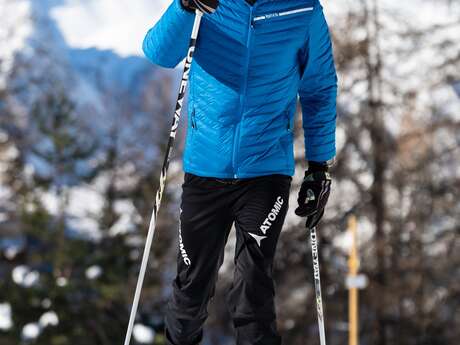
253 60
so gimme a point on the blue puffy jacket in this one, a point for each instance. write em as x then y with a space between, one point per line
250 64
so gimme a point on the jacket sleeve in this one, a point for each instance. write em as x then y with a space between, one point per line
166 43
318 91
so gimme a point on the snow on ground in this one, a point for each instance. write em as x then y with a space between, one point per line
61 281
24 276
143 334
106 24
93 272
31 331
49 318
6 321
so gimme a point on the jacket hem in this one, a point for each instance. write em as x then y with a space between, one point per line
203 173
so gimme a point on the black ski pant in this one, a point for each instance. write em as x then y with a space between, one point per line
209 208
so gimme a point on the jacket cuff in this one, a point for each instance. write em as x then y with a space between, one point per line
317 166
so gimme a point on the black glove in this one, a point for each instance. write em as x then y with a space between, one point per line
314 193
205 6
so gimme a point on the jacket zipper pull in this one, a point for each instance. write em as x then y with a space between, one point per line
193 120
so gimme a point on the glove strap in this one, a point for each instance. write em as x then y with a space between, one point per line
317 175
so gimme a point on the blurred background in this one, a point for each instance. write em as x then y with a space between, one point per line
84 120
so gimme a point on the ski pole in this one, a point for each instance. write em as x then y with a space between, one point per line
317 276
164 171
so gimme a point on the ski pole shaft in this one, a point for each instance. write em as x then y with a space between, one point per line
317 276
164 171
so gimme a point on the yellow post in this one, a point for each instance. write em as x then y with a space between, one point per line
353 263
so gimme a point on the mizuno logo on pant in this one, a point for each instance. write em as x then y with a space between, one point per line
267 223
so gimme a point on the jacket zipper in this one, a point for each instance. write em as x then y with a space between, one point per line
236 139
282 14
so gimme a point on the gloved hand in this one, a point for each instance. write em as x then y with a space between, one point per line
205 6
314 193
